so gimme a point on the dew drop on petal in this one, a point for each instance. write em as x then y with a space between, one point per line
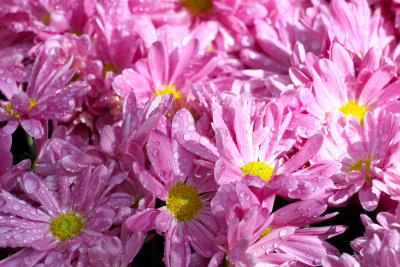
31 185
283 232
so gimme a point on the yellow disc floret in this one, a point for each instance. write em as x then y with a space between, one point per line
66 226
356 166
32 103
184 202
11 111
169 89
264 171
355 109
265 232
107 68
198 6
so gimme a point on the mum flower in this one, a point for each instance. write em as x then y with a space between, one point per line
185 219
255 236
49 94
71 224
336 85
380 244
367 155
253 139
162 73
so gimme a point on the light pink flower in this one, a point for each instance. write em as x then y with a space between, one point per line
337 86
380 244
368 156
358 28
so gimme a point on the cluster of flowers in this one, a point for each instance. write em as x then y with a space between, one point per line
188 119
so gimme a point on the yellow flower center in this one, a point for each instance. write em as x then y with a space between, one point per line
46 19
265 232
264 171
354 108
11 111
107 68
198 6
169 89
66 226
356 166
184 201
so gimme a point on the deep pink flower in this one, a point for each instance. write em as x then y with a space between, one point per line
255 236
186 219
61 226
163 73
49 94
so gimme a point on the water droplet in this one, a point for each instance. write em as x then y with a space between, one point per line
186 136
283 232
16 207
155 152
31 185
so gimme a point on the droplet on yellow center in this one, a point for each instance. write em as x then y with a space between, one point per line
169 89
264 171
355 109
198 6
356 166
108 67
66 226
265 232
184 202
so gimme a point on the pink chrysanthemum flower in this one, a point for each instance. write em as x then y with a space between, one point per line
380 244
337 86
352 24
68 225
163 73
186 219
233 17
285 40
253 139
49 95
255 236
368 156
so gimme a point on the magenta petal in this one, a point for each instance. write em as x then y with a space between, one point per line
12 205
24 257
310 148
201 238
37 190
159 151
20 102
33 127
176 248
158 63
142 221
369 197
149 182
299 214
163 221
